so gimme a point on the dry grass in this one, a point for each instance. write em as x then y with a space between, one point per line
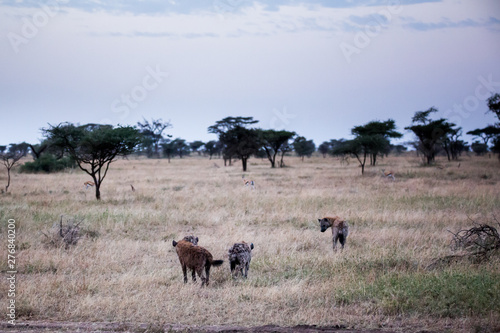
126 269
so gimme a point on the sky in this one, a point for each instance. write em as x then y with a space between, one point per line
315 67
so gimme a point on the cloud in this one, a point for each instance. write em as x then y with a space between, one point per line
151 7
368 19
448 24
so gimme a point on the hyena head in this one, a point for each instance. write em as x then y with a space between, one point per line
241 251
324 224
191 239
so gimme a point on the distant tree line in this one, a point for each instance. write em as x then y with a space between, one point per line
92 147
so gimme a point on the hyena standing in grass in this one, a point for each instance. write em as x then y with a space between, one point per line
196 258
340 229
240 255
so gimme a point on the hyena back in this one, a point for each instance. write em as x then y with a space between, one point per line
196 258
340 229
240 255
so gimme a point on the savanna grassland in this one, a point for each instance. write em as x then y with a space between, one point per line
125 269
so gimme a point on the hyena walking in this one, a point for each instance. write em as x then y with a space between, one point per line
196 258
240 255
340 229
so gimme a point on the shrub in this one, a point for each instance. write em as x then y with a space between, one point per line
48 163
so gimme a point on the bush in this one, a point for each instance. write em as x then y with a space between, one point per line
66 235
48 163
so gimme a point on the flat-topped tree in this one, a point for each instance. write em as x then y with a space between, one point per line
94 146
241 142
274 142
361 147
430 133
236 139
486 134
382 130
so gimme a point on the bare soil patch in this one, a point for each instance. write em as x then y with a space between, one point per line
45 326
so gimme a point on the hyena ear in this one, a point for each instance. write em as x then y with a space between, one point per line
174 243
319 220
251 246
196 239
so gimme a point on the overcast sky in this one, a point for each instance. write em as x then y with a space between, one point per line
314 67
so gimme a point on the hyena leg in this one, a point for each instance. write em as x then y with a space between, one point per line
184 271
233 267
199 271
342 241
193 273
207 274
335 239
247 266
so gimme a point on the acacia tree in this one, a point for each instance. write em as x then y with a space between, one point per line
152 134
479 148
303 147
273 142
94 146
38 149
168 148
324 148
222 127
181 148
384 129
360 147
11 156
486 134
430 133
213 147
196 145
452 144
242 142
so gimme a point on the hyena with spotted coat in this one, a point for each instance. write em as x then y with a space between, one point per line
340 229
196 258
240 255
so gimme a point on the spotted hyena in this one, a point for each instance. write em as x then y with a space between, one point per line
340 229
240 255
196 258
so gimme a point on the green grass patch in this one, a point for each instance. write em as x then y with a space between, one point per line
439 294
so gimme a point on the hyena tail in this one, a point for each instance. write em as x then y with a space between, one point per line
217 262
341 239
